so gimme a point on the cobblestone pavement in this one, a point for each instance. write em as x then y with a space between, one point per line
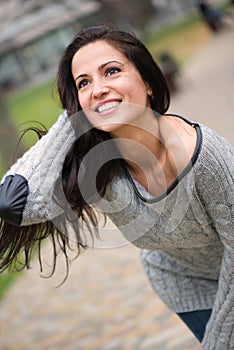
107 303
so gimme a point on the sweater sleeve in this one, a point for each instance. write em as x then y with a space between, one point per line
26 190
215 185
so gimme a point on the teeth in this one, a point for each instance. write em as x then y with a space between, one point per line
107 106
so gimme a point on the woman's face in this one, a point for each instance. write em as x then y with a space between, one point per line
110 90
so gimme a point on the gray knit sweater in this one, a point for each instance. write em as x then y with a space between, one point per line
186 235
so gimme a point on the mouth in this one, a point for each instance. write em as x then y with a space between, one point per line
107 106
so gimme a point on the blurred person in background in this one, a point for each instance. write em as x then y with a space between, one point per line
213 16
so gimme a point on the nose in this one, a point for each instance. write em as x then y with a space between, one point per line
99 88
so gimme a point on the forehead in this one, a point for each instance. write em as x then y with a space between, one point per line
96 53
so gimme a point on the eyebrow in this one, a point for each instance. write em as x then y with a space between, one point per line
99 68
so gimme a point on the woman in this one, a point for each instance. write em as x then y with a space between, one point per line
166 182
213 16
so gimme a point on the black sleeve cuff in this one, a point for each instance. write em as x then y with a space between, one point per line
13 197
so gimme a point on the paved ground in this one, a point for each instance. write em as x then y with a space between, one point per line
207 86
107 303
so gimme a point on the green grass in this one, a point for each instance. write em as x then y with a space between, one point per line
39 104
182 39
6 280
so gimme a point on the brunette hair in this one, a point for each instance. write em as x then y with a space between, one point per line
136 52
131 47
18 238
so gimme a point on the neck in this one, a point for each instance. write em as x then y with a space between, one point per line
140 146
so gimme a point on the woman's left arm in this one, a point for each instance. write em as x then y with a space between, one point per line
217 193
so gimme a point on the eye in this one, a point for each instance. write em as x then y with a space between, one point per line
112 70
82 84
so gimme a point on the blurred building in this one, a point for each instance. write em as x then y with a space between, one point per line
33 33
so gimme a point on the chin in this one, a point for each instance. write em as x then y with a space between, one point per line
112 127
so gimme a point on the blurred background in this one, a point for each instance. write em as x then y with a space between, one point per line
34 33
182 39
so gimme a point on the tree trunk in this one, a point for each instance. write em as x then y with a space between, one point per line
8 137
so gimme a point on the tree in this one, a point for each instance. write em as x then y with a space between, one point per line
8 136
128 13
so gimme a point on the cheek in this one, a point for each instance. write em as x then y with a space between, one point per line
90 115
82 100
139 94
137 88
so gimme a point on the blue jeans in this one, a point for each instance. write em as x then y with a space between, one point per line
196 321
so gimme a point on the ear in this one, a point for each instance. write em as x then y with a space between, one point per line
149 90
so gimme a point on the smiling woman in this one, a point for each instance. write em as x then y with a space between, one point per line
110 79
165 181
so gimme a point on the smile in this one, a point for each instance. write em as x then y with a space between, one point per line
107 106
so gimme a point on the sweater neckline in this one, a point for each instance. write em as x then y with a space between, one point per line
135 184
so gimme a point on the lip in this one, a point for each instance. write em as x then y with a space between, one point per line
111 104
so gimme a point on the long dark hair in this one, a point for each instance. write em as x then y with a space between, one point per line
14 239
131 47
140 57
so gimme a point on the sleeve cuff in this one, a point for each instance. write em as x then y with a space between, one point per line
13 197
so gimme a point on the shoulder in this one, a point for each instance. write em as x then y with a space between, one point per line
176 130
214 168
180 139
217 153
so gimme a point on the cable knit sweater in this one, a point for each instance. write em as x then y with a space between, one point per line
186 235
